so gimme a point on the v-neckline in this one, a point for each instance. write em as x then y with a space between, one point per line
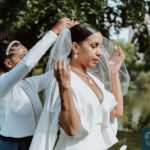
91 89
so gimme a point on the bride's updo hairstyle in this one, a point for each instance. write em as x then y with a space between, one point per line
80 32
4 43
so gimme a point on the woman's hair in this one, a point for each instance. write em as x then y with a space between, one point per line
4 43
80 32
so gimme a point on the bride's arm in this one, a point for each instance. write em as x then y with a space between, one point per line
69 119
117 92
114 66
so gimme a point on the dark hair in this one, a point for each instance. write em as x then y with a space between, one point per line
80 32
4 42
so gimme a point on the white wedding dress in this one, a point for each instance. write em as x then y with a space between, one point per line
97 129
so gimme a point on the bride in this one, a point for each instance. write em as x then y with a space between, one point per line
79 113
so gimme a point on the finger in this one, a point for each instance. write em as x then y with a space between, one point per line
64 64
68 68
55 66
65 19
55 70
118 52
121 53
116 49
68 19
59 65
66 22
68 25
76 22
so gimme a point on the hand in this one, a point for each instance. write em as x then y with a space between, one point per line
61 24
74 22
62 74
115 62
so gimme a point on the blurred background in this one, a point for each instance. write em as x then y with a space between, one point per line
126 22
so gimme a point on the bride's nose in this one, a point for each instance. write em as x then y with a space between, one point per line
99 52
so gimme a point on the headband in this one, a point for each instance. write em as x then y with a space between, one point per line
9 46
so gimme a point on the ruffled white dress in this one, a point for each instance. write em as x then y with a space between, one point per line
97 130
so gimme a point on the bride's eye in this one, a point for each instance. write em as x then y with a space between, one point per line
94 46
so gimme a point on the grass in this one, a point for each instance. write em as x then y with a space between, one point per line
131 139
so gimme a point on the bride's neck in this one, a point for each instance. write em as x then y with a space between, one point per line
75 66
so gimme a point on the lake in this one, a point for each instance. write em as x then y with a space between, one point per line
136 104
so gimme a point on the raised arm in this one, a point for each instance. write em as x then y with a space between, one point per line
114 65
68 119
32 57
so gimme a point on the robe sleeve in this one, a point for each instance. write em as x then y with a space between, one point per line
12 77
109 124
84 127
40 82
46 132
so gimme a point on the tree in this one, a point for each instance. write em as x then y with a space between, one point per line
28 20
37 16
141 39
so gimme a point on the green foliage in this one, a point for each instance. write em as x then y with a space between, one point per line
128 124
142 42
33 17
133 85
130 51
143 80
28 20
144 122
131 139
147 56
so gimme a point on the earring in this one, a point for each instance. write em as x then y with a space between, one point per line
75 56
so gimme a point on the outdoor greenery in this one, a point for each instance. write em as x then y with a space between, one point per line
130 53
131 139
143 80
41 15
28 20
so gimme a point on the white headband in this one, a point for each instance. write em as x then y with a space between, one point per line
9 46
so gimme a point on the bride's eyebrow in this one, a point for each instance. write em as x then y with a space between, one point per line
95 43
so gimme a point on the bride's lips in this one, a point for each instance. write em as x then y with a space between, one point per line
96 60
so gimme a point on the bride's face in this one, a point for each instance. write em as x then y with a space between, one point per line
89 50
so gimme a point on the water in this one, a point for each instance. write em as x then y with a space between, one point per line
136 104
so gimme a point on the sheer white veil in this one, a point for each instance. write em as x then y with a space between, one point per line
61 49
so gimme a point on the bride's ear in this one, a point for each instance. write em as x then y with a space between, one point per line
75 47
